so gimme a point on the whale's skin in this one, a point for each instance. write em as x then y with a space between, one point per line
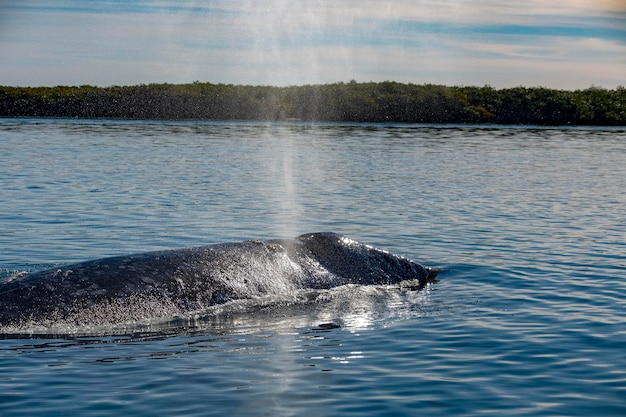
168 283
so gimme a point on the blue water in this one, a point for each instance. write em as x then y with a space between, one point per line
528 316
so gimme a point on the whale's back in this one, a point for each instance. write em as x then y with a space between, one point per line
175 282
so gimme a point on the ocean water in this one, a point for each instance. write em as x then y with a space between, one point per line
528 225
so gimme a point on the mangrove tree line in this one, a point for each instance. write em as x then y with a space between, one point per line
349 102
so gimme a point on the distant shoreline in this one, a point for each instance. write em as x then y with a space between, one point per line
340 102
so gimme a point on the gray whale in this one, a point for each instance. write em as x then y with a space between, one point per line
176 282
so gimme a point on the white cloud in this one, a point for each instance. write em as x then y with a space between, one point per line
287 42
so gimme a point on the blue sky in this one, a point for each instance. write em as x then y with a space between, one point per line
569 44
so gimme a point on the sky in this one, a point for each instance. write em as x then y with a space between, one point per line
564 44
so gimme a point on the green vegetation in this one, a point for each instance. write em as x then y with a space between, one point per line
351 102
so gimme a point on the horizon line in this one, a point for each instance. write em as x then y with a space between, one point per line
351 82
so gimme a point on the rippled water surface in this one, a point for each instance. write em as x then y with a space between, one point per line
528 316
